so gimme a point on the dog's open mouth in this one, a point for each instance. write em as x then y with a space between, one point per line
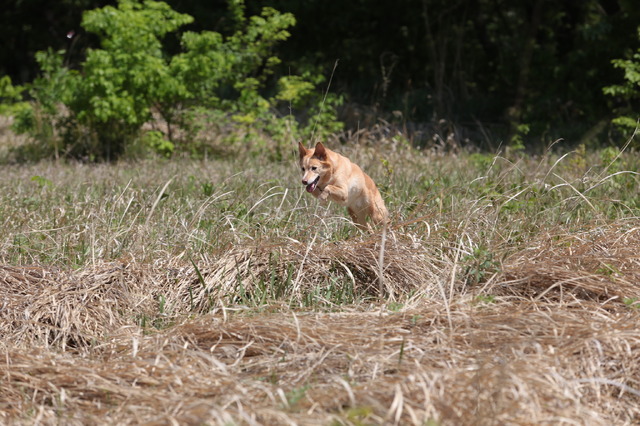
312 186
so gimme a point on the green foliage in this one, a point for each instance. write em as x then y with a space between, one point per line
482 67
157 142
578 161
359 416
10 95
627 92
517 145
41 181
395 306
484 299
131 80
294 396
98 110
124 80
480 161
610 159
631 302
293 88
479 265
43 117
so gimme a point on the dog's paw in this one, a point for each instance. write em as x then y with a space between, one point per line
323 196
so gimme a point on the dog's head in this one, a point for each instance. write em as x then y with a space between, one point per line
314 165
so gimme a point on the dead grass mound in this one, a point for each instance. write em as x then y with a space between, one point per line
293 270
73 309
502 364
601 264
555 347
50 307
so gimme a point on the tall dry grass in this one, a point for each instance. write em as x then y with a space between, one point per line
219 292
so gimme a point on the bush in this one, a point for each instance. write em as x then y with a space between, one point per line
96 111
627 93
10 97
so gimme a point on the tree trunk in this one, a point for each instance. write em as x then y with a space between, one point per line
514 113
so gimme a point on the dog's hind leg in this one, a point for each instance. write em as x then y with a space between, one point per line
358 217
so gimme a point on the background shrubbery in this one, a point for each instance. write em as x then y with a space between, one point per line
92 78
100 110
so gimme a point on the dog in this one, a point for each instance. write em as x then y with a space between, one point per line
331 176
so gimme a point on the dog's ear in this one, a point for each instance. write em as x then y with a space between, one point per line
320 152
302 150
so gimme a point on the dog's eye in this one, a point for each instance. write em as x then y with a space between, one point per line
314 168
302 168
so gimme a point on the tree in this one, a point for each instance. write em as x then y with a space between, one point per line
627 93
119 86
489 71
493 70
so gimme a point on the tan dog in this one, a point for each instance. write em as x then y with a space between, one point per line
331 176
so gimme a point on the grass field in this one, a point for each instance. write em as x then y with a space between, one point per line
219 292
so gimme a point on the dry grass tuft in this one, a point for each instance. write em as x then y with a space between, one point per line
67 310
74 309
521 364
290 269
601 264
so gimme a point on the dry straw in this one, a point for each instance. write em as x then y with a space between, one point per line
524 364
602 264
52 307
557 345
295 269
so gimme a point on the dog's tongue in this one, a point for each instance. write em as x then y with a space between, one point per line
311 186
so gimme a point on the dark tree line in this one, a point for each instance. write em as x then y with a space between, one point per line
495 70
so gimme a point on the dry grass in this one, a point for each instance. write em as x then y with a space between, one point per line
557 345
76 309
601 265
218 292
290 269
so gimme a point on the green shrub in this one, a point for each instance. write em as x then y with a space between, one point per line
96 111
628 92
156 141
10 97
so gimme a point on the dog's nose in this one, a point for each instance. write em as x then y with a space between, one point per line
304 181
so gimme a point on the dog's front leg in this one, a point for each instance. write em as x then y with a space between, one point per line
334 193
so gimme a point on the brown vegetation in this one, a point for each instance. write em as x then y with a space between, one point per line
556 343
